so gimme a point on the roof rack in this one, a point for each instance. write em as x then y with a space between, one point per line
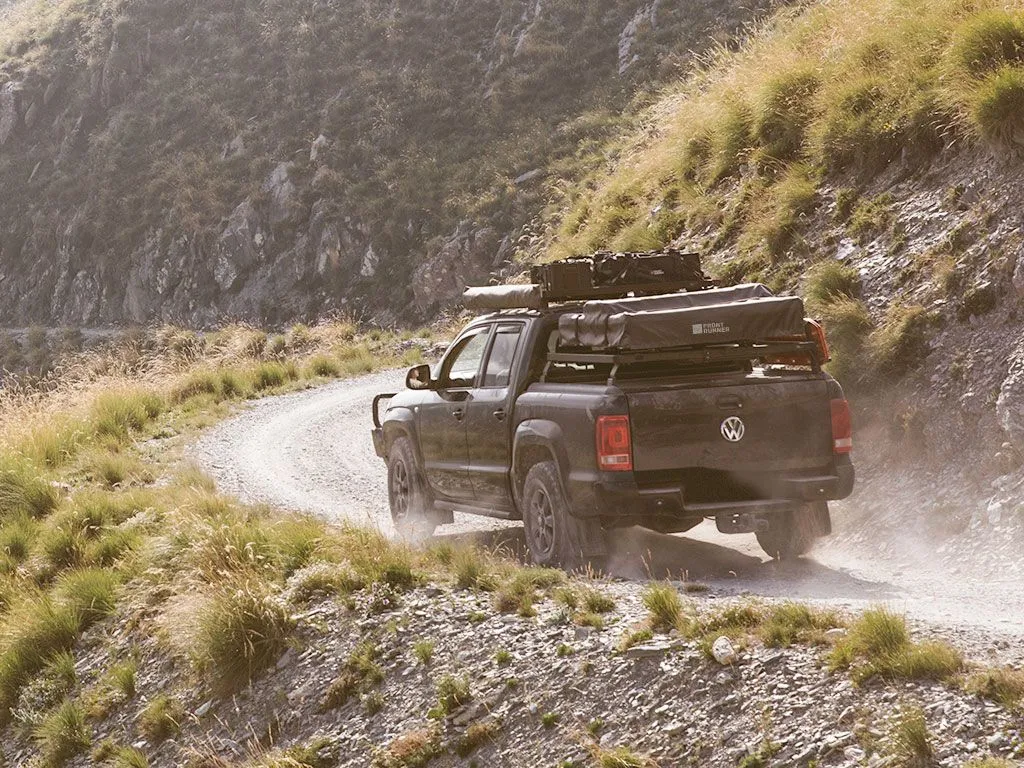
602 275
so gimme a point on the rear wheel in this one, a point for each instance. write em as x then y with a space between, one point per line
410 511
792 533
554 536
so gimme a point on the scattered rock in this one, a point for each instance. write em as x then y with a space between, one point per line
723 651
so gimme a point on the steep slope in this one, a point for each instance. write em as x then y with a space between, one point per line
865 155
271 160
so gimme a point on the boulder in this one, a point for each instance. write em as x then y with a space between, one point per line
281 194
8 110
1010 405
238 247
463 258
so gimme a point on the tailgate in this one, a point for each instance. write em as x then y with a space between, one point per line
760 425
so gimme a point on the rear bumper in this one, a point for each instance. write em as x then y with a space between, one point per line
608 497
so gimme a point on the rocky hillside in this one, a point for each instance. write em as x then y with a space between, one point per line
271 161
864 155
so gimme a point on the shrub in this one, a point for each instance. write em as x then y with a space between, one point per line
996 107
63 734
161 718
664 606
242 631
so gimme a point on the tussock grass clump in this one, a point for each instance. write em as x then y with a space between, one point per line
324 366
203 382
423 651
130 757
828 280
24 492
117 414
987 42
161 718
1001 684
36 630
476 736
785 109
847 325
356 360
901 342
470 569
55 443
241 631
272 375
997 107
91 593
322 579
410 750
63 734
793 622
452 693
664 606
878 644
359 674
911 743
620 757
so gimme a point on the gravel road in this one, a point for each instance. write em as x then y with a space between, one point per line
311 451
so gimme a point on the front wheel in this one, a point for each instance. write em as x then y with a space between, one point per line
410 510
793 533
554 536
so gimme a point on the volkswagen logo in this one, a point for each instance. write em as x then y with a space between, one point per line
733 429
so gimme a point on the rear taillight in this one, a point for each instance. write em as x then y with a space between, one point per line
817 333
842 427
614 445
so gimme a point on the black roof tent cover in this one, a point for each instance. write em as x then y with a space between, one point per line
744 313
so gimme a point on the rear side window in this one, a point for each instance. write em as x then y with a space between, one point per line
463 364
503 353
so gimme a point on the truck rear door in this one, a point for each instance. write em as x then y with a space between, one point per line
752 426
488 417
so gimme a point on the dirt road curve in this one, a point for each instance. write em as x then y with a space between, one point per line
311 451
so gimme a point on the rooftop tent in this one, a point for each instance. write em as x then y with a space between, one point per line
720 316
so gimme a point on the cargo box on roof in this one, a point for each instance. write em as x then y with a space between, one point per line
744 313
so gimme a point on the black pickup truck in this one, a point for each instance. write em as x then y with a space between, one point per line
657 411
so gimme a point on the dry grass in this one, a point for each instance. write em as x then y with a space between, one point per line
879 644
822 89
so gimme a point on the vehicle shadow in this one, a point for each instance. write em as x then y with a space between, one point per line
638 554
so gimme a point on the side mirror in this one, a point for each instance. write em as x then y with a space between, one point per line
419 378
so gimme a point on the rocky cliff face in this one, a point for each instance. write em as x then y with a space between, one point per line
273 161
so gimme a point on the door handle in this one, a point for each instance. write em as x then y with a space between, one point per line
458 413
500 414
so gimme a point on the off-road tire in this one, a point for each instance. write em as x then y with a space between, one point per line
554 537
793 533
411 512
